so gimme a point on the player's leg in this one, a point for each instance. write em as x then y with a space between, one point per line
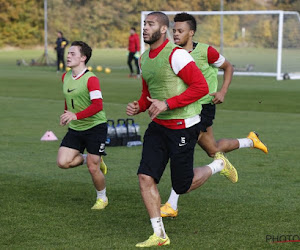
136 60
63 60
58 59
200 176
206 139
69 154
129 62
219 165
253 141
94 139
153 162
103 166
227 145
208 143
93 163
184 176
169 209
151 199
68 157
182 163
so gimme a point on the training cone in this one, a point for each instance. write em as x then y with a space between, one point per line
49 136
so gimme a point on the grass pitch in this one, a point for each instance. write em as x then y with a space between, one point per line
44 207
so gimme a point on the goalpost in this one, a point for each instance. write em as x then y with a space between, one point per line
257 43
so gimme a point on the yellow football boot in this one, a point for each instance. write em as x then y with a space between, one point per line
100 204
167 211
154 240
228 171
257 143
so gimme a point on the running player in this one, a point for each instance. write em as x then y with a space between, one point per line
86 119
209 61
172 85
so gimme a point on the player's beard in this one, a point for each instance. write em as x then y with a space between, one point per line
182 44
155 37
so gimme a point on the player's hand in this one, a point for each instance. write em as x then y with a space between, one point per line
218 97
133 108
67 117
156 107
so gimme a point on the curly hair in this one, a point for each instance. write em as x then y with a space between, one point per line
185 17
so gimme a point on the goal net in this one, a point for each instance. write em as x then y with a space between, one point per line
258 43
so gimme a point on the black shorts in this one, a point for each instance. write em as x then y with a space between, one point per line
160 145
207 115
93 139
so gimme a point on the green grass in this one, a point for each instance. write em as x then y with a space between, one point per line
44 207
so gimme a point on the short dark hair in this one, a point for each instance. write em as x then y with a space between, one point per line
162 17
185 17
133 28
60 33
85 49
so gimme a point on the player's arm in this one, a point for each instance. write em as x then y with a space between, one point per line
184 67
67 42
220 62
142 104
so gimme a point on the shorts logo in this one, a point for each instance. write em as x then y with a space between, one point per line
102 148
182 142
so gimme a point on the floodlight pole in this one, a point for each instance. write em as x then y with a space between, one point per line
46 30
44 59
221 28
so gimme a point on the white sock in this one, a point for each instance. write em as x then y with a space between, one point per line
216 166
84 158
158 227
101 194
173 199
245 143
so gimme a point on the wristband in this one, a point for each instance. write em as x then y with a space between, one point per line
168 108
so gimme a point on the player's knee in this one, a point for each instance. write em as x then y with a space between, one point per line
181 188
145 181
62 164
210 150
211 153
144 178
93 169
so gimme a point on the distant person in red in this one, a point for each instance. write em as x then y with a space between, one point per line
133 48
